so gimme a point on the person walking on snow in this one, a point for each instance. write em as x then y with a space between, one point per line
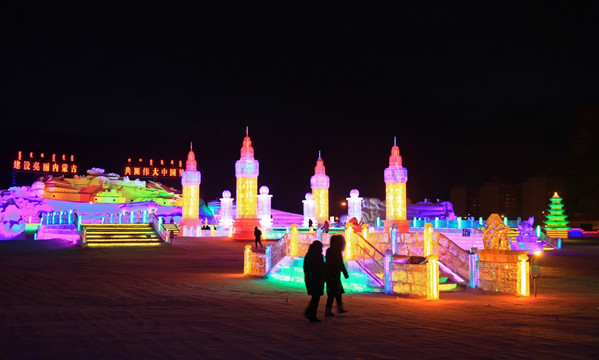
314 270
257 235
334 268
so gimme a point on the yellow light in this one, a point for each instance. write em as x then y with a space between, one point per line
428 239
349 234
432 271
365 231
538 253
396 201
246 259
191 202
122 244
321 204
293 241
247 197
524 276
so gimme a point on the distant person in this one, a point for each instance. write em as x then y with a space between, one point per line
334 268
310 224
325 227
314 270
258 235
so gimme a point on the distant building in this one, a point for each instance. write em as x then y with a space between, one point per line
466 200
524 199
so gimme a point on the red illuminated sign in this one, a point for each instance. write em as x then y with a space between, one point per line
33 163
149 168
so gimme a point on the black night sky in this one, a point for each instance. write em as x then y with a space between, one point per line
471 91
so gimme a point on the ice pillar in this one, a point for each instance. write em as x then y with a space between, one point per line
190 180
309 210
320 191
396 177
246 172
354 205
264 207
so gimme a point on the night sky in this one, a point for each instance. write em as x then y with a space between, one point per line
470 91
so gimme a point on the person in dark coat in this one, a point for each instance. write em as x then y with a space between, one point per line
334 268
314 270
257 236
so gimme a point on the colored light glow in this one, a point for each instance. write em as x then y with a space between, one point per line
247 197
191 202
264 207
246 171
428 239
309 209
122 244
349 240
524 276
396 201
354 205
247 259
556 224
226 210
432 270
293 248
320 184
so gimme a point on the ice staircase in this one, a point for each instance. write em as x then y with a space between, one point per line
142 234
366 271
173 228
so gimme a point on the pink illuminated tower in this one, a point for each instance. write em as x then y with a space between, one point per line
396 177
320 191
191 179
246 171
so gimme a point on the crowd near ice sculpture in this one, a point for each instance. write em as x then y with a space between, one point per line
320 183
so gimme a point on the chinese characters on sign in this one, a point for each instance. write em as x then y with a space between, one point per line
40 163
150 169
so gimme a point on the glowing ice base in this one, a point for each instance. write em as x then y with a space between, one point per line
291 270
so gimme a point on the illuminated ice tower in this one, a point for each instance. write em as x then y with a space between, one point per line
246 171
320 191
354 205
191 179
396 177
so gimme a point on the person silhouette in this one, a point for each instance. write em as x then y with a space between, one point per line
258 235
334 268
314 270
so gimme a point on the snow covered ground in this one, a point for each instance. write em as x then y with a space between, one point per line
191 301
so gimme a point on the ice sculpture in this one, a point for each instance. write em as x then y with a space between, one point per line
246 171
264 207
495 234
309 210
226 210
320 191
396 177
190 180
354 205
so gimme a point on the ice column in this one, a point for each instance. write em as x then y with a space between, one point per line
320 191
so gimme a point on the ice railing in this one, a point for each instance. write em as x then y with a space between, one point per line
368 257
